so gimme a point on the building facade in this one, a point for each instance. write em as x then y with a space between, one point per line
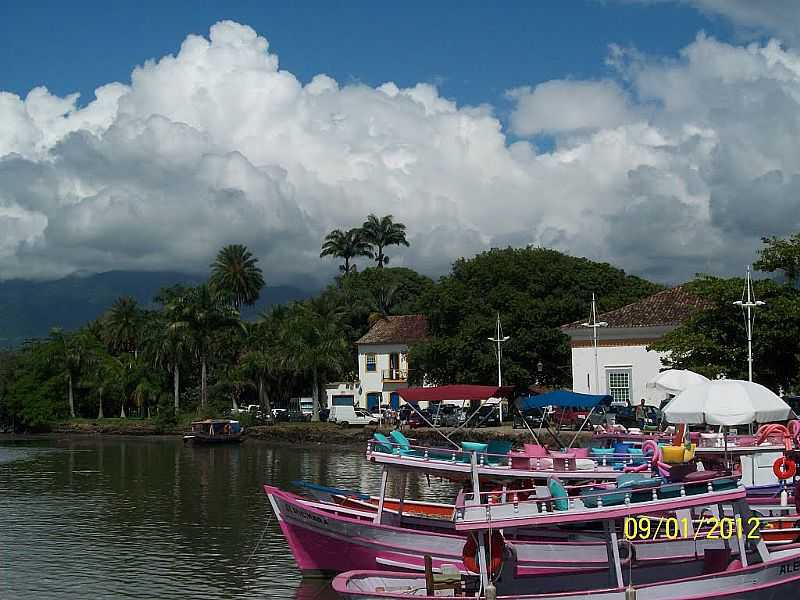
624 364
383 359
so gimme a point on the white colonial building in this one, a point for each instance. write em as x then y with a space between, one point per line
625 365
383 359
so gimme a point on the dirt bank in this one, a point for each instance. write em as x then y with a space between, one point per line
312 433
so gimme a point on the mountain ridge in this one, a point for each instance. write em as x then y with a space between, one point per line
30 309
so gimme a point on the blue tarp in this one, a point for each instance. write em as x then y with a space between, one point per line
563 398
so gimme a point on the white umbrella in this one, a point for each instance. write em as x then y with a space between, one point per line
727 402
674 381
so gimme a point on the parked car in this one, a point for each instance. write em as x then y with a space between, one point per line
447 416
350 415
412 418
488 416
290 415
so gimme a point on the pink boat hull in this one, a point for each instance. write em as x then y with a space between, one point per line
325 542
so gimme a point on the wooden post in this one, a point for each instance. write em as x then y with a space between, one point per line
740 543
612 547
384 479
476 490
403 480
428 575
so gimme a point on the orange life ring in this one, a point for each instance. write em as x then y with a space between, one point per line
496 548
784 468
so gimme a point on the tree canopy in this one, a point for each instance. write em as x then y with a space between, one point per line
534 290
781 255
714 341
195 354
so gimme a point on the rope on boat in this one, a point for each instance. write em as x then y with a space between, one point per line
261 539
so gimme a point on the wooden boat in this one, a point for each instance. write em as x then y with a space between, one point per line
215 431
744 569
327 539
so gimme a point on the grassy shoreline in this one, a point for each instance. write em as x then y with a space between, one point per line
301 434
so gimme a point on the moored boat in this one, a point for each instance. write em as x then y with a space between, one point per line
215 431
744 569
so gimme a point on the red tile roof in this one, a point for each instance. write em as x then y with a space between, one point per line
668 307
401 329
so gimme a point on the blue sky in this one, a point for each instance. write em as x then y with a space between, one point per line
677 160
473 51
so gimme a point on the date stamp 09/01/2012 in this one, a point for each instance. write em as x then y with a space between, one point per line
673 528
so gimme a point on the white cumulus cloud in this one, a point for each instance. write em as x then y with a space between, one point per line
558 106
673 166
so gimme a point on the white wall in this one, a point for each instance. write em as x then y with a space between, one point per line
372 381
341 388
644 366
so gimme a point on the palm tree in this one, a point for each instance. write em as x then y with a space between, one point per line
108 374
168 348
255 366
346 245
200 314
144 392
382 301
236 276
382 233
315 346
122 325
74 352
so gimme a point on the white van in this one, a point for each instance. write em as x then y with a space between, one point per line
349 415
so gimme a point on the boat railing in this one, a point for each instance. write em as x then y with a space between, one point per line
556 461
426 453
491 505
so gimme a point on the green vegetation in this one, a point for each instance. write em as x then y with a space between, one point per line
193 355
370 240
534 290
347 245
713 341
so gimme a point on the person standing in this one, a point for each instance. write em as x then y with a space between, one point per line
641 414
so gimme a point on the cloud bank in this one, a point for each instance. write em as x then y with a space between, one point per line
670 167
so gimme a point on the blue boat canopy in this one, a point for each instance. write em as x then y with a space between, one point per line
564 398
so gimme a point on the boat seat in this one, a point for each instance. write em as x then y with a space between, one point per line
535 450
559 494
590 497
383 443
716 560
735 565
497 452
404 446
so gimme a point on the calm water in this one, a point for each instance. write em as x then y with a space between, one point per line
115 517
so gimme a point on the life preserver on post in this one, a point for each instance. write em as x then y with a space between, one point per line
784 468
496 547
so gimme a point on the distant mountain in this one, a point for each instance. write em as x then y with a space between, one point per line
31 308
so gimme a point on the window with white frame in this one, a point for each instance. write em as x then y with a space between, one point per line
370 362
619 385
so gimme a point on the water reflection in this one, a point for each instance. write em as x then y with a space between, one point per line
152 518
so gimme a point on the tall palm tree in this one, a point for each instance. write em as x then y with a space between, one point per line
108 375
122 325
201 313
236 275
73 353
381 233
171 352
145 393
346 245
315 346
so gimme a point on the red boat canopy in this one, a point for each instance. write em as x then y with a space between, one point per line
455 392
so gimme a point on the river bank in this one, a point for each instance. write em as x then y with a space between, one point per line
312 434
